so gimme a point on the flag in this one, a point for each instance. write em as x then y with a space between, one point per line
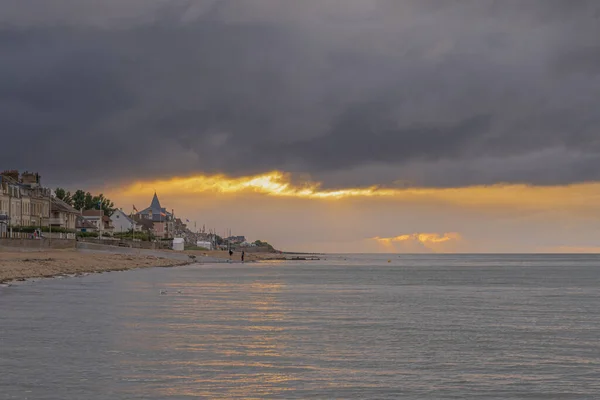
135 209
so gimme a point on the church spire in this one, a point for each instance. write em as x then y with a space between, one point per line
155 205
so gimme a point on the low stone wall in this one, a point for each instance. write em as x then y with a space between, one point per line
36 244
127 243
175 255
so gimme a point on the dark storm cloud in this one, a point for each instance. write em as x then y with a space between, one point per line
350 91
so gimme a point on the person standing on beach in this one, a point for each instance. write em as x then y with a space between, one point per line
243 253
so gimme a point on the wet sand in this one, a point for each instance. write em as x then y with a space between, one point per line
249 256
24 265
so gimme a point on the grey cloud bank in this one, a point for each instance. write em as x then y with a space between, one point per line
352 92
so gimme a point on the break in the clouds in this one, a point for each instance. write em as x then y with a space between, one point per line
352 92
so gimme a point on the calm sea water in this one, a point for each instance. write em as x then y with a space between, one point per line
418 327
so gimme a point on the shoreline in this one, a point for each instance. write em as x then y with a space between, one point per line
16 266
254 256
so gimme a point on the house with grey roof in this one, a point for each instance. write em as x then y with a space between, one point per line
83 225
161 218
155 212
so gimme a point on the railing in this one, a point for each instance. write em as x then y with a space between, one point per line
15 235
30 235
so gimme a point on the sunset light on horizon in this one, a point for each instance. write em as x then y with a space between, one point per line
478 218
576 196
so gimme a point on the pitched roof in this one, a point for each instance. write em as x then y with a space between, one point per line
59 205
155 205
146 224
125 216
93 213
156 210
83 223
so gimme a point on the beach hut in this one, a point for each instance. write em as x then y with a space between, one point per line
178 244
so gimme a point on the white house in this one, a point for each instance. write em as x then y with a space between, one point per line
122 223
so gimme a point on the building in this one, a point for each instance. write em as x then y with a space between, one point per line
83 225
145 224
122 223
10 199
63 215
23 201
236 239
39 199
162 219
100 221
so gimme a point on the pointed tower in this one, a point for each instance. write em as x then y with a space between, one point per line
155 205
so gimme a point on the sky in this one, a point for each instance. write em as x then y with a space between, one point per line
318 125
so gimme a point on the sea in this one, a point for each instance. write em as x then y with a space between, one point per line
342 327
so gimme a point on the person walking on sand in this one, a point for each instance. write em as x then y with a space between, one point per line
243 254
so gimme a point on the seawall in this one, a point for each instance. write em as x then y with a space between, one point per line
36 244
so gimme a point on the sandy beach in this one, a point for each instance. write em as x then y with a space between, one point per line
24 265
19 265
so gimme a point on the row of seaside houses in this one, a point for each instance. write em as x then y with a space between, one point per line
24 202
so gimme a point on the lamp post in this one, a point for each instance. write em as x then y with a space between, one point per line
9 209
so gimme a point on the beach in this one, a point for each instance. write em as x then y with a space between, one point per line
19 265
15 265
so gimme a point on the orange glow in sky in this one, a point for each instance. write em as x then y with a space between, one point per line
421 237
279 184
306 216
430 241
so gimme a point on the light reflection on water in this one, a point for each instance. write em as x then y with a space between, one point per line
493 327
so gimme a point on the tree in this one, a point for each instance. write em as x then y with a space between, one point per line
59 193
105 204
79 199
87 201
65 196
68 199
260 243
218 239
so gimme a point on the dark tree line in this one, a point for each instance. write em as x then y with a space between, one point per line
85 200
